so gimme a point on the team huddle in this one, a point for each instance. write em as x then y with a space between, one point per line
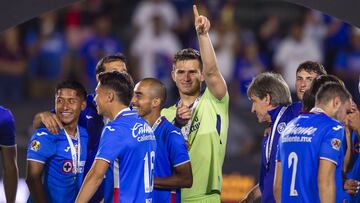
121 145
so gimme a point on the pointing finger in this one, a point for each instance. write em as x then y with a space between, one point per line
196 12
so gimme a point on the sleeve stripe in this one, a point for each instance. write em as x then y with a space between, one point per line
184 162
103 159
39 161
327 159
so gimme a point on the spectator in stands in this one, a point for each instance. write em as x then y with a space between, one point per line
148 9
12 67
152 52
294 50
268 38
347 65
102 43
337 37
47 50
247 65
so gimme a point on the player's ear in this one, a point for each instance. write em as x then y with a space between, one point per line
173 73
336 103
110 96
83 105
202 76
267 99
157 102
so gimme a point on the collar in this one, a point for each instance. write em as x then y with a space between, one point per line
91 99
158 122
274 112
125 112
200 95
62 131
317 110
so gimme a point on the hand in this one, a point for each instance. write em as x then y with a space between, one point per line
202 24
353 119
351 186
246 200
51 122
187 145
267 131
183 115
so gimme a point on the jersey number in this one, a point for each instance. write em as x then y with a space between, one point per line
293 159
149 171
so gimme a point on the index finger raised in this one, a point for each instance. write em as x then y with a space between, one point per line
196 12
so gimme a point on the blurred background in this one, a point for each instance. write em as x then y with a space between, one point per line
249 37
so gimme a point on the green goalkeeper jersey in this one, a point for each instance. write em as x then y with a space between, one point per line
207 139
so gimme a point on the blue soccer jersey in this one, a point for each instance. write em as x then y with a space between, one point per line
269 148
94 124
7 128
355 171
61 184
129 145
306 140
170 152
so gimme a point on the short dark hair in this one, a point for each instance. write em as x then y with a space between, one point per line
110 58
160 89
331 90
121 83
74 85
309 95
187 54
312 66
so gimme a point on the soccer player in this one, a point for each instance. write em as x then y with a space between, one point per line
89 118
309 95
172 164
127 144
310 150
351 184
271 99
308 104
59 158
8 153
204 116
305 74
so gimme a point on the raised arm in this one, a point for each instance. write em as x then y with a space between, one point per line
92 180
34 182
182 178
11 173
212 75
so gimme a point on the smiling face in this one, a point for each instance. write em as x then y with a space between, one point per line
187 76
143 99
68 106
303 82
261 107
